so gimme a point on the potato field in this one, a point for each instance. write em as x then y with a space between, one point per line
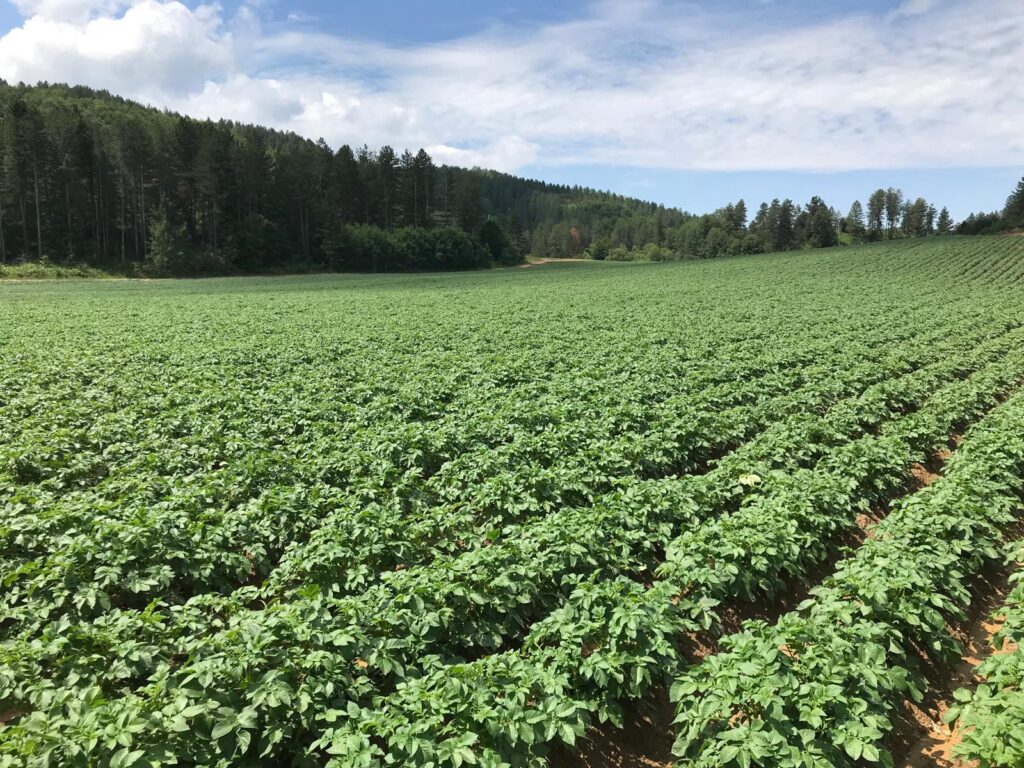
481 519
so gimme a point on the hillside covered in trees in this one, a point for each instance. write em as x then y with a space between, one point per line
1008 219
88 177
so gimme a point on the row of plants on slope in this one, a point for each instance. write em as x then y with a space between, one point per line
249 412
93 561
614 637
229 485
126 562
211 533
373 638
534 560
215 527
325 559
820 687
989 716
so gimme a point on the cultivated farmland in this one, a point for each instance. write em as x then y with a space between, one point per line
477 519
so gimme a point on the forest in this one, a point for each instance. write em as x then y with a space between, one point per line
1009 219
87 177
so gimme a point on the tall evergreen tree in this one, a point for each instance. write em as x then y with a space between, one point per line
945 223
876 210
349 186
387 184
819 227
855 220
470 214
893 210
1013 212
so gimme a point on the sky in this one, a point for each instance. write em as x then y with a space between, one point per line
688 103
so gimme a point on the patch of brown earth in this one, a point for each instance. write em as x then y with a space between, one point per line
927 472
920 738
542 262
923 476
6 715
645 741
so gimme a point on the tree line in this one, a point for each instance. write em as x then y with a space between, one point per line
782 226
88 177
1009 219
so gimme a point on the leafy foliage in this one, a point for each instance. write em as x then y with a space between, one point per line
454 519
989 717
89 177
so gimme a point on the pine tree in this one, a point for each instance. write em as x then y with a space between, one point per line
1013 213
469 210
738 221
855 220
424 167
387 181
893 210
876 210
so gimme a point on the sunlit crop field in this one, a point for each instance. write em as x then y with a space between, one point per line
460 519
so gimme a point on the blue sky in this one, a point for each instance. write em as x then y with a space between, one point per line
692 104
962 190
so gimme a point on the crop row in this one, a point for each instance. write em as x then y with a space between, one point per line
444 520
339 559
122 564
188 525
819 688
614 638
461 603
121 554
990 715
331 653
596 536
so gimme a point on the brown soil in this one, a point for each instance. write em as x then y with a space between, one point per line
646 739
920 738
923 475
6 715
541 262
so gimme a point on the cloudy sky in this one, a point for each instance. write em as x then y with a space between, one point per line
688 103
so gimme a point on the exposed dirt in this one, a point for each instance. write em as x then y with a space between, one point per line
927 472
920 738
866 522
6 715
646 739
542 262
923 474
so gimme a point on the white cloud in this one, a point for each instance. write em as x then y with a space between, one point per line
642 83
506 153
151 49
71 10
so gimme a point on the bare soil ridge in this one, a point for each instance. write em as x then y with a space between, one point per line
646 739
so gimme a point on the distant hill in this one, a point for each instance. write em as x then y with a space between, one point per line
92 178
